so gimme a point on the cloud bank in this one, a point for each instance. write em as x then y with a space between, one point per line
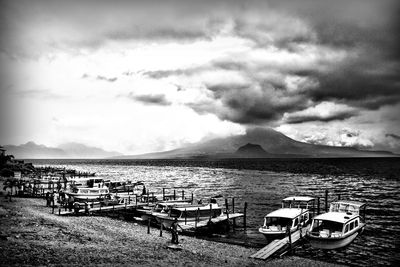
284 64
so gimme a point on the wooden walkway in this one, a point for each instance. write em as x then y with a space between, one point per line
190 226
103 209
277 244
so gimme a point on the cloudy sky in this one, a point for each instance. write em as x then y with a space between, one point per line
142 76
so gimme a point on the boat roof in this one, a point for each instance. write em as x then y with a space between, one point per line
289 213
196 206
298 198
339 217
356 204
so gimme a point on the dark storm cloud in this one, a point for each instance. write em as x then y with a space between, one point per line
154 99
394 136
365 29
249 104
362 85
293 119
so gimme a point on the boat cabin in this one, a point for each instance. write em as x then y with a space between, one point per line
338 227
87 182
87 191
299 202
195 211
277 221
295 213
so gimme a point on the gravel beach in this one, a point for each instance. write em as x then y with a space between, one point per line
31 235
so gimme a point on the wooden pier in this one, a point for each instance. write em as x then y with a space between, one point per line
277 245
99 209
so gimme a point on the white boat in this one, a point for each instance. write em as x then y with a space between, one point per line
295 213
86 182
161 208
87 193
338 227
189 213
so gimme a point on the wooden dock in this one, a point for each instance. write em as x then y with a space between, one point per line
118 207
279 244
190 226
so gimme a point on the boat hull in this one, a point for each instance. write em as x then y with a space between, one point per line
333 242
86 196
167 221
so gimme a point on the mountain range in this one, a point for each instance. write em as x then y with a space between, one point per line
255 143
32 150
258 143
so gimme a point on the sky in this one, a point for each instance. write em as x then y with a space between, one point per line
145 76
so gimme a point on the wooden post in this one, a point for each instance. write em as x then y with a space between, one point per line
338 197
197 218
233 211
174 194
290 237
152 197
161 227
59 210
192 198
326 200
148 197
210 212
52 209
148 226
183 194
129 199
185 216
163 194
227 212
318 206
244 216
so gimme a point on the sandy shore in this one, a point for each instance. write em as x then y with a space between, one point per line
31 235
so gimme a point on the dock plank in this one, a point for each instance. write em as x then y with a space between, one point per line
278 244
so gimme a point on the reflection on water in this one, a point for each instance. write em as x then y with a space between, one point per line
263 191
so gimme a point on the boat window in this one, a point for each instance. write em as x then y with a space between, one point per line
356 223
296 222
84 191
351 225
346 229
94 191
278 221
176 213
304 217
319 225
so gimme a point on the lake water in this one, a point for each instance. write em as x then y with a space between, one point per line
264 190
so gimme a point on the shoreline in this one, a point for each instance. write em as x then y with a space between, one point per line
31 235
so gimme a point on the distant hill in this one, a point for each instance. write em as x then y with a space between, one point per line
32 150
274 143
251 151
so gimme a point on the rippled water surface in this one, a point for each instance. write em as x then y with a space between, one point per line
264 190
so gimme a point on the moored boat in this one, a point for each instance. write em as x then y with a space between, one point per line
161 208
86 193
295 213
189 213
338 227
